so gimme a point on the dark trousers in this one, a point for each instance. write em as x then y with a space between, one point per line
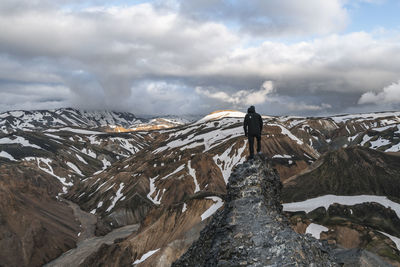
251 143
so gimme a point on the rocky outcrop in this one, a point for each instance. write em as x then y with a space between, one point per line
251 230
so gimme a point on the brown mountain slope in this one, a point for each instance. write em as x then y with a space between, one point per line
34 226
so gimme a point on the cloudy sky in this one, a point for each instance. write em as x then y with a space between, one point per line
308 57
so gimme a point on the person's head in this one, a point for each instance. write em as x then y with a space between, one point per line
251 109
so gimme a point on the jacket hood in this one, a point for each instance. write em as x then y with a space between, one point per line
251 109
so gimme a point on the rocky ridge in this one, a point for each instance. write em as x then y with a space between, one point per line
251 230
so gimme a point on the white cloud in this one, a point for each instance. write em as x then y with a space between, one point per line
135 57
242 97
388 95
161 98
301 106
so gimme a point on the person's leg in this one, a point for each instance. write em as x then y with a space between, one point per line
251 145
258 143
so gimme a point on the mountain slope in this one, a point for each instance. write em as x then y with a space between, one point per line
346 194
37 167
170 185
172 180
348 171
34 226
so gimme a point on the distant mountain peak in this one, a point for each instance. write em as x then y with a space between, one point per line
12 121
219 114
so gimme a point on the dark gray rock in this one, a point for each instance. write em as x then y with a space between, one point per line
251 230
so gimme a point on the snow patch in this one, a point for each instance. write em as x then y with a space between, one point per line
89 152
4 154
226 163
395 240
117 197
184 208
54 136
49 170
366 138
174 172
379 142
152 190
18 140
124 143
218 203
145 256
93 140
106 164
81 159
192 173
288 133
395 148
315 230
74 168
282 156
222 114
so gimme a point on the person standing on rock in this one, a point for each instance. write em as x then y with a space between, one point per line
252 128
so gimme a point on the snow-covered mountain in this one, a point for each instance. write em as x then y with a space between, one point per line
65 117
170 181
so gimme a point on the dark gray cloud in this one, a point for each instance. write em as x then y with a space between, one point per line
188 58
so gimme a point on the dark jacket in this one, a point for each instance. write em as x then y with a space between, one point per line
252 122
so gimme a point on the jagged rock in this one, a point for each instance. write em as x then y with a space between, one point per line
251 230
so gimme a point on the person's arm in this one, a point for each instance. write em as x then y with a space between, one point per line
245 124
261 124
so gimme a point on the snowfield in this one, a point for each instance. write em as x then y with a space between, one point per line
327 200
222 114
